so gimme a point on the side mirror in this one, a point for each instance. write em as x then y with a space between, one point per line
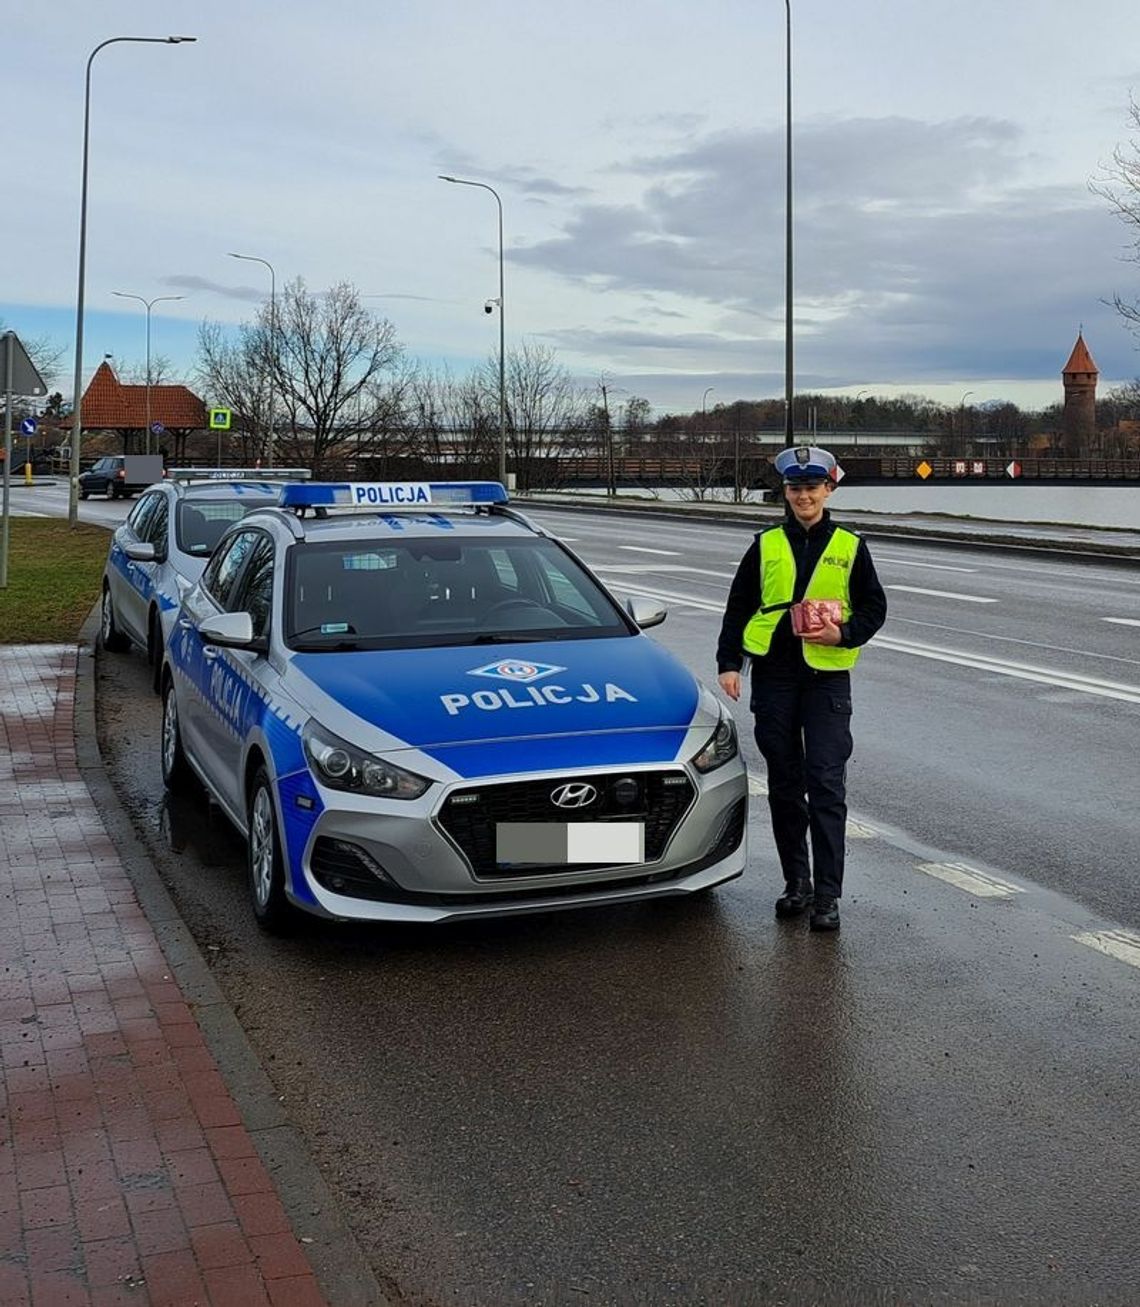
646 612
141 551
231 631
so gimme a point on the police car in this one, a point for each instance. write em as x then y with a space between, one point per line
162 547
427 709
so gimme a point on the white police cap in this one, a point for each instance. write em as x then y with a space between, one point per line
805 463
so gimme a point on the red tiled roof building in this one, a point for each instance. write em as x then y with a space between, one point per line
108 404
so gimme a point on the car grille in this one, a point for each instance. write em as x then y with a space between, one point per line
660 799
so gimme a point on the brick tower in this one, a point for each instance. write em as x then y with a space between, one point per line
1078 421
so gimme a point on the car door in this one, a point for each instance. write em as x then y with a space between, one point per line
195 661
152 531
130 581
240 675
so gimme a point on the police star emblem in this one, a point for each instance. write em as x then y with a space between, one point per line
516 670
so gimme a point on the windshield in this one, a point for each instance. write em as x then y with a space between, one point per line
203 522
417 593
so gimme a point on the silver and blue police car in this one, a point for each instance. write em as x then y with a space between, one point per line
162 547
426 708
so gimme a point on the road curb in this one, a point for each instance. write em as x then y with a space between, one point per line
759 515
342 1270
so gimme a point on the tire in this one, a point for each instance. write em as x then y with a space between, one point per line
271 908
155 650
113 640
175 768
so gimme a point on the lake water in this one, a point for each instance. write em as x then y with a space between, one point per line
1111 506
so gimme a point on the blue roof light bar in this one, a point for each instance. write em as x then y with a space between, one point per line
365 495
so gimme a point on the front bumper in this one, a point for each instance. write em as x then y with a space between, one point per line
374 860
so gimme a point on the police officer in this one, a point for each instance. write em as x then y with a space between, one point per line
801 685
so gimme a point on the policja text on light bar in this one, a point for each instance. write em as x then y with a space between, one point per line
392 494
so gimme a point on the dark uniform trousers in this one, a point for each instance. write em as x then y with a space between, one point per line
803 730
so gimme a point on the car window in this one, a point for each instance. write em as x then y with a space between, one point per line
224 568
431 592
201 523
139 516
254 593
157 522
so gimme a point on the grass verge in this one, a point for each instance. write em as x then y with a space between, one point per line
54 573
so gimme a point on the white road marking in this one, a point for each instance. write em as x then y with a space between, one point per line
1020 671
968 878
934 567
942 594
1122 621
625 568
979 662
644 549
1119 944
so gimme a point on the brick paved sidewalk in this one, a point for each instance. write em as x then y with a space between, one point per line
126 1174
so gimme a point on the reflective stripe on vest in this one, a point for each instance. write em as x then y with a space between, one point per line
831 579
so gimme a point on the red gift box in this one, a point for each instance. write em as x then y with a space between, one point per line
808 615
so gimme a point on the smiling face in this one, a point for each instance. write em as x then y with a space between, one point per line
807 499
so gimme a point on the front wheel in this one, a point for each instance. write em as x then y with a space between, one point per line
272 909
175 768
114 641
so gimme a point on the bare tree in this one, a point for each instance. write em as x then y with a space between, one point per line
235 374
546 412
330 357
1120 186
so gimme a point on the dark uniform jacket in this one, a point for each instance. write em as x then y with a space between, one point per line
785 655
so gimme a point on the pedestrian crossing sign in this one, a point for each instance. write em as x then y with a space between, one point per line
220 419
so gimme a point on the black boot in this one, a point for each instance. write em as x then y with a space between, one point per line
824 913
795 899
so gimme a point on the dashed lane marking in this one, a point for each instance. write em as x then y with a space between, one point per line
1119 944
1122 621
942 594
644 549
964 877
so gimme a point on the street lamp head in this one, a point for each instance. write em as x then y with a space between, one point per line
443 177
177 40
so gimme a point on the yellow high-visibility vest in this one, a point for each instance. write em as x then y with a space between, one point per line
831 579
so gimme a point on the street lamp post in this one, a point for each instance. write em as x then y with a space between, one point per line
77 409
254 258
789 438
962 418
858 397
461 181
149 304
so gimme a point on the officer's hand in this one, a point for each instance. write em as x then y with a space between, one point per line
830 634
730 684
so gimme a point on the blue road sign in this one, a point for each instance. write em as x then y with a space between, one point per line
28 427
156 428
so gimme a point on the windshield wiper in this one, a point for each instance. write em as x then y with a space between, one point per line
335 646
505 637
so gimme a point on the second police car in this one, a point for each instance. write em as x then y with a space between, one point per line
162 547
427 708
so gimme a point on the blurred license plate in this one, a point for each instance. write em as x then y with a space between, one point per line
561 843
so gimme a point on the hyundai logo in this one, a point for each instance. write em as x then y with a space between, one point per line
574 795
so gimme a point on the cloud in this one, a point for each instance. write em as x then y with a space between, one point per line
922 250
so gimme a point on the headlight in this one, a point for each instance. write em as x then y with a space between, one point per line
720 748
340 766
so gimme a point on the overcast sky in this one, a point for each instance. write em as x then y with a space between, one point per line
946 239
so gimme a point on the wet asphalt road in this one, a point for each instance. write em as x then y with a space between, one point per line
686 1103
